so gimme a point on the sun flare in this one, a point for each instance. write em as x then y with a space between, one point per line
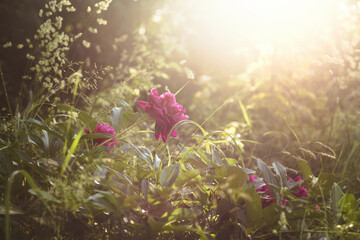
271 23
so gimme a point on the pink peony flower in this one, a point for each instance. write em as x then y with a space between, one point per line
166 110
104 128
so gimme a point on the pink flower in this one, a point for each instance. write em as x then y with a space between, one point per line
301 191
166 110
104 128
267 198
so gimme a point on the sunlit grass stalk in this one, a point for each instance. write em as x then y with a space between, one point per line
348 159
71 151
6 94
182 87
71 110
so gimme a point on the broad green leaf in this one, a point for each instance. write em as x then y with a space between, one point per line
348 203
281 172
305 169
336 195
100 201
234 176
254 212
267 173
271 215
123 117
44 195
41 125
117 118
184 213
216 157
186 177
326 182
87 120
195 162
169 175
231 161
349 207
238 177
129 118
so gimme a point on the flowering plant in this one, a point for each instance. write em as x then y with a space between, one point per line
166 111
104 128
267 198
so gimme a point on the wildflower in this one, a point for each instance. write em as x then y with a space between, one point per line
104 128
301 192
267 198
166 111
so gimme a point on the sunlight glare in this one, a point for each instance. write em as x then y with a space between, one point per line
262 22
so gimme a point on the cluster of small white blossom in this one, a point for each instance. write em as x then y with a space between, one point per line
49 62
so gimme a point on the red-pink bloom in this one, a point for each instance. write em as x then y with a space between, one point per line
104 128
166 110
267 198
301 191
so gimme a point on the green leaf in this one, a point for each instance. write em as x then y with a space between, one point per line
123 117
117 118
281 172
267 173
184 213
234 176
336 195
326 182
99 200
216 157
305 169
87 120
125 104
66 107
187 177
254 213
41 125
237 177
71 151
231 161
349 207
8 194
195 162
44 195
271 215
129 118
169 175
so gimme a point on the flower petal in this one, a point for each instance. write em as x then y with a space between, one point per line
142 104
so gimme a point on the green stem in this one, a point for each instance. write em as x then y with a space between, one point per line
6 94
